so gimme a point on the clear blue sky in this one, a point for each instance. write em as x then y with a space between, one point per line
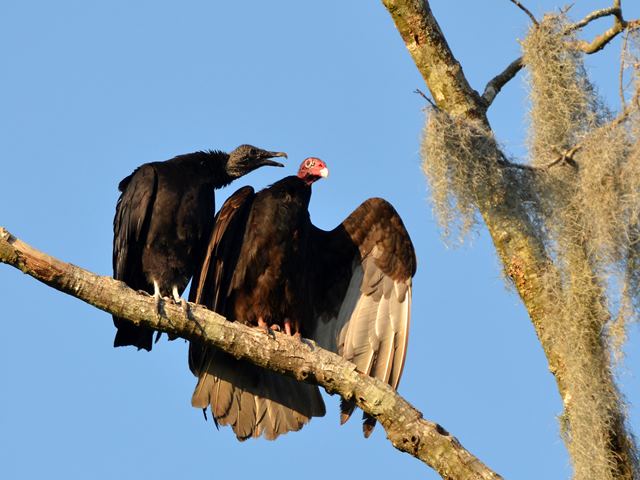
90 90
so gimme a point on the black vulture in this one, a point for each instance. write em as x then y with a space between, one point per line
163 219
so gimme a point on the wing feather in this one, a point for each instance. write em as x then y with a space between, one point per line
363 270
131 223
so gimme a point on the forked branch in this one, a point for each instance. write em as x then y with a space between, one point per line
496 84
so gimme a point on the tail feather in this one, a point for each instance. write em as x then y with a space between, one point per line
254 401
129 334
368 424
346 409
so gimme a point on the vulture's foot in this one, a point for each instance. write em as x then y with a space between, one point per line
183 303
264 326
157 296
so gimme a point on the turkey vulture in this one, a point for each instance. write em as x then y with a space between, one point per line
163 219
267 265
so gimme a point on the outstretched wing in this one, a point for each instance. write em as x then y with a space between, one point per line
131 224
360 293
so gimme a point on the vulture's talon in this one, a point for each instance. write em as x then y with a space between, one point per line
148 237
267 331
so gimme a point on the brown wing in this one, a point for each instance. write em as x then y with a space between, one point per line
211 280
251 400
222 250
360 292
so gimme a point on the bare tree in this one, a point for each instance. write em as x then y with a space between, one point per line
564 224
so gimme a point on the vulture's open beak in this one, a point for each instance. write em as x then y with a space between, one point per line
272 163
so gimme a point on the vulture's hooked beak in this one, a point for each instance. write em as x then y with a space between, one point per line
272 163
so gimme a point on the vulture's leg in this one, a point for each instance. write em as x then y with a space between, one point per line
157 296
178 299
287 326
292 328
262 324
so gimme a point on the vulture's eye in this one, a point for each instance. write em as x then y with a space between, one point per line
253 151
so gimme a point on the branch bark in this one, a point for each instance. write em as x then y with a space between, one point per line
407 430
519 248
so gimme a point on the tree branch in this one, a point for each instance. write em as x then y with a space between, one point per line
525 10
305 361
499 81
496 83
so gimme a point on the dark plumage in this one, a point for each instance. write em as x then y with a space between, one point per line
163 219
349 289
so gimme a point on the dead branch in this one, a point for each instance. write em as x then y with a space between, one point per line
525 10
407 430
496 84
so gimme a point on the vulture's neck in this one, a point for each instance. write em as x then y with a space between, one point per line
208 167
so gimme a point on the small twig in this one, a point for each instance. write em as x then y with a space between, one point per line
567 155
563 157
422 94
525 10
564 10
623 55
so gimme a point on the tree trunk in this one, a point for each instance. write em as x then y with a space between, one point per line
520 250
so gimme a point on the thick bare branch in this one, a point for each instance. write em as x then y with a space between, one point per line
305 361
